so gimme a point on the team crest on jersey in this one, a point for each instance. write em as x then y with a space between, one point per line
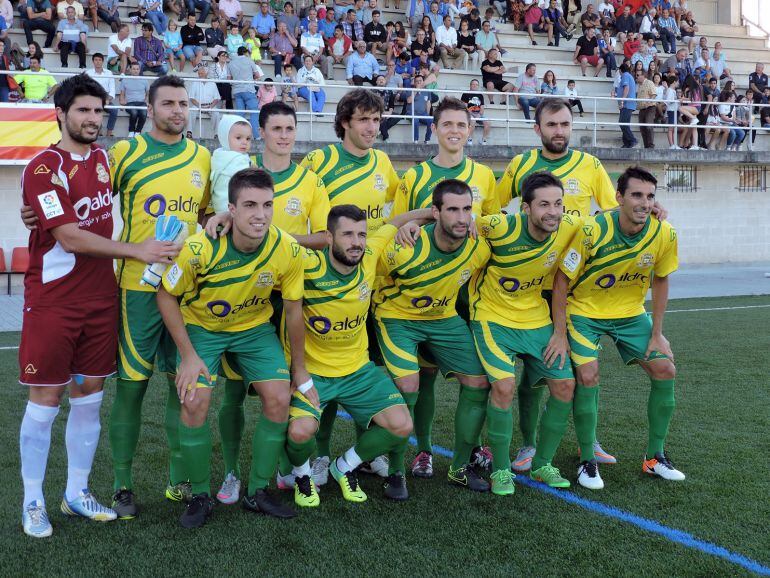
476 194
379 182
391 257
265 279
363 291
111 157
646 260
194 262
102 174
465 274
42 170
293 207
73 171
56 181
195 179
195 247
550 259
571 186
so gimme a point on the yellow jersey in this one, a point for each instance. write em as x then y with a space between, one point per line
582 175
422 282
300 204
222 289
508 290
416 188
154 179
611 273
336 307
368 182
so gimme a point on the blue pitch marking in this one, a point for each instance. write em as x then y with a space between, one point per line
677 536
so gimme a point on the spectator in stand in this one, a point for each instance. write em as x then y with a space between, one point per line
39 17
606 11
205 97
176 7
376 36
203 5
313 82
61 9
328 24
391 83
368 15
362 66
537 23
703 66
474 20
312 44
108 11
626 93
678 64
415 10
644 57
645 89
516 12
399 44
435 16
35 84
559 25
669 30
688 28
282 46
149 51
215 39
606 45
716 133
154 13
421 110
632 45
486 40
6 13
358 6
405 69
571 93
446 40
242 67
172 42
758 82
234 40
231 12
265 23
590 19
648 27
430 37
266 93
254 44
528 86
312 16
421 44
352 27
193 40
133 93
119 46
219 70
289 91
467 42
290 19
743 116
625 24
492 70
32 50
587 52
340 47
474 100
7 83
727 117
71 36
549 85
107 81
719 63
4 26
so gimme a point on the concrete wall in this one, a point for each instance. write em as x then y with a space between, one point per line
716 223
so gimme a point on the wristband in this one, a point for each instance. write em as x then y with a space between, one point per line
305 387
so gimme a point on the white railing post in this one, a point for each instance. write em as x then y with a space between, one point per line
595 141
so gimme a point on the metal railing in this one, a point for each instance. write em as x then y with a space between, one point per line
507 123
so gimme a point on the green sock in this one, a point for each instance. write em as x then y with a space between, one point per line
500 432
231 419
269 438
196 452
396 455
377 441
660 410
553 424
585 415
296 453
424 410
529 410
324 434
125 423
176 471
469 419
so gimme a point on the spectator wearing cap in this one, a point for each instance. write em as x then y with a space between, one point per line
362 66
205 97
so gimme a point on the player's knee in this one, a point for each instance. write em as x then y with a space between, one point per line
562 389
302 430
46 396
399 422
275 403
664 369
588 374
194 412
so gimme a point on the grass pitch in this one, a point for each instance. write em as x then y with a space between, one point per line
718 438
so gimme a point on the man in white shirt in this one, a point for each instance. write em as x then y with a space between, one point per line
61 9
107 80
312 44
119 47
446 39
204 95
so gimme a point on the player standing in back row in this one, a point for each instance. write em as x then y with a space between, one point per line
70 301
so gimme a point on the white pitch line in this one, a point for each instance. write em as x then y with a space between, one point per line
718 308
10 347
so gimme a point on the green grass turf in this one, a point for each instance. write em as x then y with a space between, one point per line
718 438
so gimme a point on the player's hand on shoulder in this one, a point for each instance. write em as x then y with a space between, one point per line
152 251
659 211
223 220
408 234
28 217
190 368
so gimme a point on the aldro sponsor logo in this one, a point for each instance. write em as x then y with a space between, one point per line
221 308
323 325
427 301
512 285
157 205
609 280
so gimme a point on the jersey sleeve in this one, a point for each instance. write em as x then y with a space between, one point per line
182 276
481 253
492 226
668 255
569 226
491 204
116 154
312 160
45 191
377 242
292 278
578 250
319 207
604 190
504 189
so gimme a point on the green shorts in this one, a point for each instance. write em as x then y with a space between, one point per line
364 393
630 334
257 352
498 345
143 337
448 341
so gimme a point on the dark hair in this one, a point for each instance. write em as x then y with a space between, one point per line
538 180
375 12
339 27
251 178
242 50
168 80
450 187
147 26
450 103
351 212
275 108
97 55
358 99
75 86
638 173
551 105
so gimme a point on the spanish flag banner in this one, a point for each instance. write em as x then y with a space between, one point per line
25 130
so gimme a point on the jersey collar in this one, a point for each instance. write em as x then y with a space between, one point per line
632 239
353 158
556 162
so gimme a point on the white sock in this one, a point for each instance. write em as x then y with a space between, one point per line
82 437
303 470
349 461
34 442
